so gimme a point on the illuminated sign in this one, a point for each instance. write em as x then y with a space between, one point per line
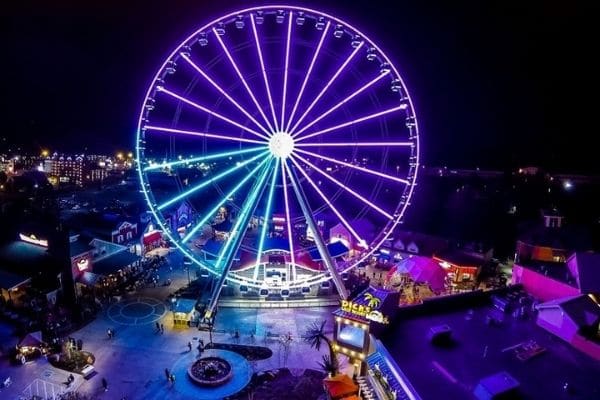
33 239
355 308
83 264
366 311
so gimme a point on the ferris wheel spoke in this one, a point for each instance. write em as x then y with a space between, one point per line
341 103
268 211
356 144
288 220
228 251
343 220
307 75
211 180
322 92
346 188
356 167
224 93
201 134
202 158
353 122
330 264
285 72
209 214
264 71
241 76
211 112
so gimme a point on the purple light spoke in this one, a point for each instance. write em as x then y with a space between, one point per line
330 204
340 184
264 71
201 134
322 92
307 75
341 103
368 171
224 93
239 73
288 216
357 144
285 72
355 121
211 112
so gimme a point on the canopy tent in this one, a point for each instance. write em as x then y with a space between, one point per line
32 339
424 270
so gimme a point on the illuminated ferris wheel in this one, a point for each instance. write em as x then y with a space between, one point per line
290 139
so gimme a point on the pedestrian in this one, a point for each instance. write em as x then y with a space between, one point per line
189 346
202 343
167 373
172 379
162 328
105 384
157 326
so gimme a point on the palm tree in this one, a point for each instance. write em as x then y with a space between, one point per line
373 302
315 337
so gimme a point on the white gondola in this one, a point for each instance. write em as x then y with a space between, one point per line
263 292
305 290
243 288
285 293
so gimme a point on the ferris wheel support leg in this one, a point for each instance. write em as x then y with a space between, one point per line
231 247
321 247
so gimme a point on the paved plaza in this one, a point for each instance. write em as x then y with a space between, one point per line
133 362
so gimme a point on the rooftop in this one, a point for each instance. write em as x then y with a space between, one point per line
480 349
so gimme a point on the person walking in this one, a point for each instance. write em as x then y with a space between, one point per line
189 346
157 326
105 384
172 379
162 328
167 373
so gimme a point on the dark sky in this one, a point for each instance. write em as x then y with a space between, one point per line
496 84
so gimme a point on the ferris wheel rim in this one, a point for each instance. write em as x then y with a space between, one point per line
382 236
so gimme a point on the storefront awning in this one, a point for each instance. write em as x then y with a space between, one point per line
152 237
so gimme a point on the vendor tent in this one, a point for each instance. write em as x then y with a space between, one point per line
425 270
32 339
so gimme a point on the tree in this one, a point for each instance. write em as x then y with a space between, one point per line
373 302
315 337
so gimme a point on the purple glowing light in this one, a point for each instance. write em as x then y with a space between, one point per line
224 93
341 103
201 134
307 75
264 71
239 74
346 188
356 167
211 112
322 92
285 72
353 122
330 204
356 144
288 216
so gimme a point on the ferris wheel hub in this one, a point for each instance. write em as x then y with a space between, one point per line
281 145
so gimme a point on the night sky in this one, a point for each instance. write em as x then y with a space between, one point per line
495 84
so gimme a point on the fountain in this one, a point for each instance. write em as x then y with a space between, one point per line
210 371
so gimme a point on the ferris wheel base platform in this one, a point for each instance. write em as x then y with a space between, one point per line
329 301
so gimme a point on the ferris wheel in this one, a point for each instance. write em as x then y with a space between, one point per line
277 148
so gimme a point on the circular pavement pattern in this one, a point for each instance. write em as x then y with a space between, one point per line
240 368
137 311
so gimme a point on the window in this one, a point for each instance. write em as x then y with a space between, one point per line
129 235
120 239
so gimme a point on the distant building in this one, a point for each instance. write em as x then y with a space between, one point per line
549 259
66 170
